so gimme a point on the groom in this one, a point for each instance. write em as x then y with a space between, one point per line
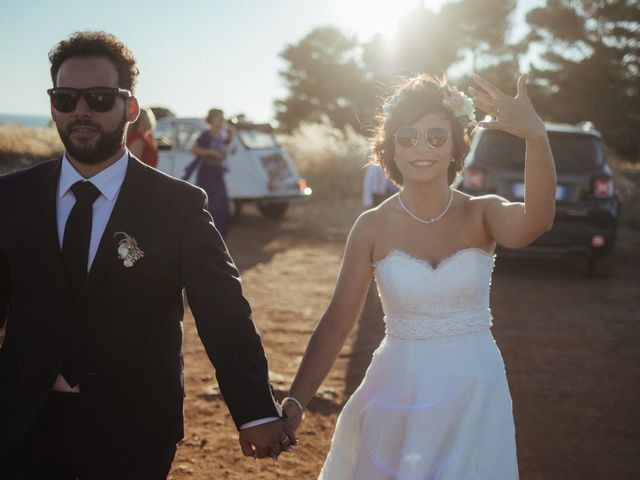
95 249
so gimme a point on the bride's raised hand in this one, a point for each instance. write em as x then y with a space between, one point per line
514 115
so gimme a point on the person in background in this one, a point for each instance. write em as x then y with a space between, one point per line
376 187
140 140
210 150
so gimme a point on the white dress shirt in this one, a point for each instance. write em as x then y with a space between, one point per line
109 182
375 182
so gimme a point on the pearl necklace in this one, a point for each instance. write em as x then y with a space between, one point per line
431 220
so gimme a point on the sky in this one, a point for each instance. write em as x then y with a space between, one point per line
193 54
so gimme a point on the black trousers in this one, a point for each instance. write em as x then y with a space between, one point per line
54 450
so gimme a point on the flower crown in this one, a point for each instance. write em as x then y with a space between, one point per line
461 105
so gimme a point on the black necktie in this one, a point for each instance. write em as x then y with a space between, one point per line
75 257
77 235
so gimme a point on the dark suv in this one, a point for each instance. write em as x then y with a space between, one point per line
587 204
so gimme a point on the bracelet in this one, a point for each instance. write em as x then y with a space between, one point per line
294 400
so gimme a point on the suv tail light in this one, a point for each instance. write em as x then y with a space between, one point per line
473 179
603 187
598 241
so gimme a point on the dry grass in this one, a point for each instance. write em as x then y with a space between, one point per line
22 146
331 160
23 141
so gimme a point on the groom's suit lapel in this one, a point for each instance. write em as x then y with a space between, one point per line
126 216
44 217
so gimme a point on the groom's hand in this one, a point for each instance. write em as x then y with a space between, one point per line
267 439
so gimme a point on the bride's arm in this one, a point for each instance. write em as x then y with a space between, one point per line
516 224
344 309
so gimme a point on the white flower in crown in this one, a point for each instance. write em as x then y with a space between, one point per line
128 250
461 105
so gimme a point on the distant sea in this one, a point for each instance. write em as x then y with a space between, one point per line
33 121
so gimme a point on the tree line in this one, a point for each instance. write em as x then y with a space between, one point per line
585 63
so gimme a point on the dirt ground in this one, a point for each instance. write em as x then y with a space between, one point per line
570 345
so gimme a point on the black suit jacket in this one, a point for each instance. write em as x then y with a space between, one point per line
129 319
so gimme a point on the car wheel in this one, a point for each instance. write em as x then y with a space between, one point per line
599 265
272 210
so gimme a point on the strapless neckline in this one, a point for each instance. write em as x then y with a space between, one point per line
427 263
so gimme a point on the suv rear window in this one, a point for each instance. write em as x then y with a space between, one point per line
573 152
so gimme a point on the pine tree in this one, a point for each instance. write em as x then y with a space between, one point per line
590 66
324 77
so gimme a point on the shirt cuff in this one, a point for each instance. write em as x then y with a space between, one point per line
260 421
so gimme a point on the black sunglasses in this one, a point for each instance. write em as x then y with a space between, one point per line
99 99
408 137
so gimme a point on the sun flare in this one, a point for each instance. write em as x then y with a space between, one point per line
365 18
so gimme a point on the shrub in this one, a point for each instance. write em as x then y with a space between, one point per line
332 160
21 146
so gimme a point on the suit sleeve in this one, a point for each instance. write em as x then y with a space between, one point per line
5 287
5 274
223 319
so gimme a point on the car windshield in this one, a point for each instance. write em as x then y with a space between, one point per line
572 152
163 129
254 139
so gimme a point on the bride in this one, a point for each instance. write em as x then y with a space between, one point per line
434 403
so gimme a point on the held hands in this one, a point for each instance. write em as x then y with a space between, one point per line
265 440
294 415
514 115
272 438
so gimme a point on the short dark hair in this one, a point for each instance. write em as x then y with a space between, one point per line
413 99
97 44
214 112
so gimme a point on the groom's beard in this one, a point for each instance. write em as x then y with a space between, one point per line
90 152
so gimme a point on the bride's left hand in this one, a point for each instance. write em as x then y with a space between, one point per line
514 115
294 417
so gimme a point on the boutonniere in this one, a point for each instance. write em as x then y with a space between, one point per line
128 250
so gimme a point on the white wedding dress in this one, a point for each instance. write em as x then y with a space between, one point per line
434 403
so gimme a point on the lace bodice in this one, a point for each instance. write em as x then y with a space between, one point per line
423 301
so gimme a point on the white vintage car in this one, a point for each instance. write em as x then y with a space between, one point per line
260 170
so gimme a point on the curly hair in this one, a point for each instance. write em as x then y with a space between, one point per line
97 44
413 99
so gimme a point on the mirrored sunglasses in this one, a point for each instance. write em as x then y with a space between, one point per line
99 99
408 137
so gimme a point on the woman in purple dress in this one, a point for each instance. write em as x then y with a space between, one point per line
210 150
